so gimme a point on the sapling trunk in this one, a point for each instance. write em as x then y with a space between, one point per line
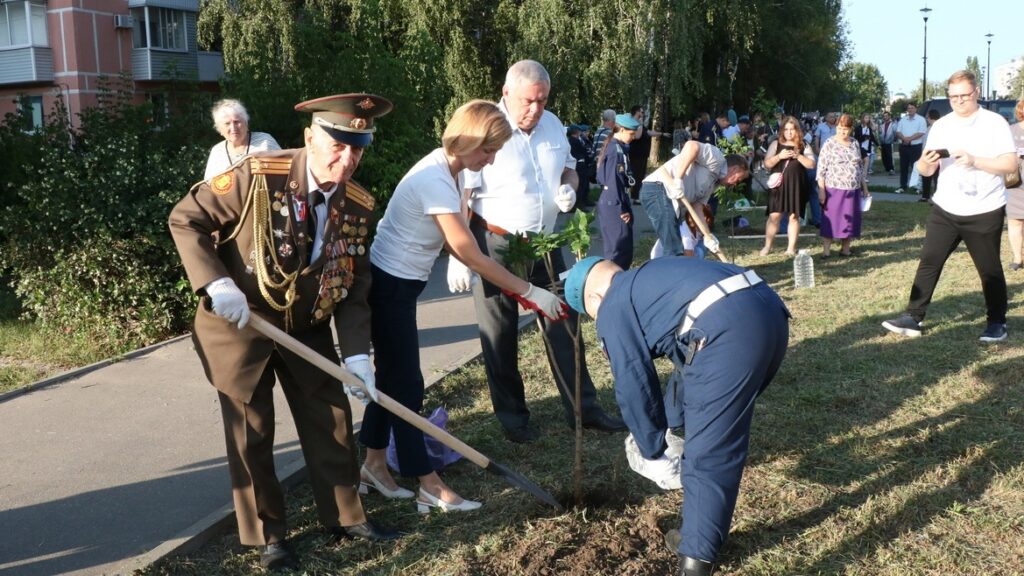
577 471
528 248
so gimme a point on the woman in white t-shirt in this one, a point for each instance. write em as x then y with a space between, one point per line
425 213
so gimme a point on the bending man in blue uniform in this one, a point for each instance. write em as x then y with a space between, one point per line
726 332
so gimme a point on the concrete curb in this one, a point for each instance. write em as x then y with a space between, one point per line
75 372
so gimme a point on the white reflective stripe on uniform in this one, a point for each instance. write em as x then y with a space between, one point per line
716 292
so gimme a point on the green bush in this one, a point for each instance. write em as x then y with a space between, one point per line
83 216
120 294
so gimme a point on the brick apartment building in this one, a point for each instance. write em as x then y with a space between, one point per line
65 47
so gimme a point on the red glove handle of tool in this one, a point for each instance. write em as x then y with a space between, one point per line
532 306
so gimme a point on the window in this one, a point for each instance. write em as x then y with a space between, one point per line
159 28
22 24
31 109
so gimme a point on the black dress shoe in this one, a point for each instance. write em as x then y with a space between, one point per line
604 423
520 435
694 567
277 556
365 531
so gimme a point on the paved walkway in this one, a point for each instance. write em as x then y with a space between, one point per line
107 470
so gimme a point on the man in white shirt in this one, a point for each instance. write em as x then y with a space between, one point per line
973 148
531 180
910 131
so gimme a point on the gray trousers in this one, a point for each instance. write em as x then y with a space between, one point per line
498 319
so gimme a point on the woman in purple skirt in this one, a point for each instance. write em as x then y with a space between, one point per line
841 185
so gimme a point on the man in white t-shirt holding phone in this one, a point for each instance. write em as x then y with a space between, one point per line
973 148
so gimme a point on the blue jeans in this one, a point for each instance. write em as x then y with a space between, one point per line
662 213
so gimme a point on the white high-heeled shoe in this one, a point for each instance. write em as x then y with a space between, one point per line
364 486
435 502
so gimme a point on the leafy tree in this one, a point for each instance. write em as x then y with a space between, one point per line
864 88
974 66
936 89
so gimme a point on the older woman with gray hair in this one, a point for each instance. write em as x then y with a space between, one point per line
231 120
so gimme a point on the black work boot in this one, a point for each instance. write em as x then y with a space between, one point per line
694 567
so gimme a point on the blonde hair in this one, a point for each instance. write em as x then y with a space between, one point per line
476 124
1018 110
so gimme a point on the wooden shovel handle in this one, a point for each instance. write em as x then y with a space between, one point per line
385 401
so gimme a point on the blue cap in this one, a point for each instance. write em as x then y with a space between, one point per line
627 121
577 279
744 118
584 127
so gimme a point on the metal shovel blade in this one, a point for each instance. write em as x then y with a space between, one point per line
523 483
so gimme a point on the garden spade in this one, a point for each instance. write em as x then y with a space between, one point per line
511 476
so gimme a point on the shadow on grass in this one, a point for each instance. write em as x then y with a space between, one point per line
835 427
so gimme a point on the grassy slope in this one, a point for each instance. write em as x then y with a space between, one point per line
871 454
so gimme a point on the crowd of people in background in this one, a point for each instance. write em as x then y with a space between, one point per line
825 195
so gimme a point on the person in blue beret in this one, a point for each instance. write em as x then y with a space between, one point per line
725 331
614 208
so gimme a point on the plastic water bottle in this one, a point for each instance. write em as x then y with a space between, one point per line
803 270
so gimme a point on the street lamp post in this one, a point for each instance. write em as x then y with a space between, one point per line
988 67
924 63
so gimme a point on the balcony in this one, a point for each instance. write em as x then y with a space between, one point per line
25 65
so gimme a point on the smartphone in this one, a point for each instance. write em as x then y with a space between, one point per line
942 152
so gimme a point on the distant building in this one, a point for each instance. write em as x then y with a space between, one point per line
51 47
1004 75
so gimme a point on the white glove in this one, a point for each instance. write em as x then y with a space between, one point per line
545 302
711 243
460 277
663 471
360 366
565 198
228 301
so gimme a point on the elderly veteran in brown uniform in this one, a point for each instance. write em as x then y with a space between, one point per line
284 235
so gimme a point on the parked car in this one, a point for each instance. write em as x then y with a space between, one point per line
1003 107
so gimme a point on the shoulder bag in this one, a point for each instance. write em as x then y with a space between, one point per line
775 178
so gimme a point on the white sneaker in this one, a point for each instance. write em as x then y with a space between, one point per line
663 471
898 191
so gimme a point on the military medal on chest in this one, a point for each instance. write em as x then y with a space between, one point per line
335 280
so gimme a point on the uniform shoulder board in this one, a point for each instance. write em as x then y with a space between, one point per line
359 195
264 165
